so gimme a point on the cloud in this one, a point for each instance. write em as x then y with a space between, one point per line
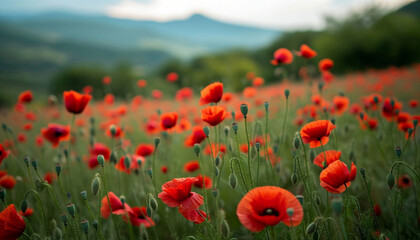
278 14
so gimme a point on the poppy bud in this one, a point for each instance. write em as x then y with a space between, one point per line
26 160
286 93
95 224
101 160
233 180
415 122
2 194
235 127
113 158
361 115
58 169
290 212
112 130
66 153
300 199
149 211
315 235
233 114
139 162
143 233
53 224
337 205
362 171
320 86
398 151
410 131
153 203
257 146
197 149
266 105
64 218
311 228
215 193
206 131
149 172
333 121
24 205
216 171
122 199
225 230
226 130
157 141
71 209
217 161
244 109
4 126
92 120
127 162
95 185
83 195
375 99
57 235
85 226
275 148
390 180
34 163
296 141
294 178
392 103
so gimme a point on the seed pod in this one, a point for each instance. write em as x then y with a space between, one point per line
58 169
266 105
215 193
290 212
34 163
57 235
127 162
149 211
83 195
257 146
296 141
95 185
24 205
197 149
153 203
286 93
113 130
95 224
390 180
71 209
311 228
233 180
206 131
244 109
149 172
398 151
122 199
26 160
235 127
294 178
101 159
85 226
64 218
226 130
157 141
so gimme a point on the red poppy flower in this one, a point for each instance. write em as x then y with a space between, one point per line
316 132
227 97
244 148
207 150
133 163
106 80
3 173
183 125
55 133
197 136
282 56
325 64
7 181
414 103
403 117
27 213
213 115
145 149
258 81
3 153
389 109
109 99
377 209
306 52
27 127
191 166
50 177
156 94
341 103
332 155
25 97
164 169
184 94
118 131
75 102
168 120
193 215
208 183
100 149
268 206
138 216
116 206
87 89
177 193
212 93
31 116
141 83
172 77
337 177
12 224
21 137
327 76
404 181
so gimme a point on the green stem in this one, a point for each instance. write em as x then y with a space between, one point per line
249 153
266 148
375 219
109 203
258 166
240 170
204 186
47 229
285 120
68 155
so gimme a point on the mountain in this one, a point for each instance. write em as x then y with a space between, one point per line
412 8
183 38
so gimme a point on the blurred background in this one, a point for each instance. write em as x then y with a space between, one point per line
53 46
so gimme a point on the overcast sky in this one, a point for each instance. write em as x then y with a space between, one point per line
276 14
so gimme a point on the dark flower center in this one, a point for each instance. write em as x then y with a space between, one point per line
1 152
58 133
406 180
270 212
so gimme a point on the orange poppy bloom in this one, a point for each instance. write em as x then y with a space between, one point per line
138 216
316 132
325 64
337 177
207 182
109 99
3 153
75 102
141 83
156 94
7 181
106 80
184 94
27 213
413 103
12 224
249 92
172 77
207 150
212 93
258 81
282 56
268 206
87 89
197 136
332 156
50 177
404 181
145 150
341 103
306 52
191 166
25 96
168 120
213 115
117 206
55 133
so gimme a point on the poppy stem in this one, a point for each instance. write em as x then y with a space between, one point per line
68 155
258 165
47 229
375 219
154 169
109 203
266 148
405 164
240 170
203 184
249 152
285 120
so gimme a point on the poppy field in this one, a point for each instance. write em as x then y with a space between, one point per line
327 157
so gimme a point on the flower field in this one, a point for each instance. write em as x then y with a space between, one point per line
329 157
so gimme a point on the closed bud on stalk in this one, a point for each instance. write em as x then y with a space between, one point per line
24 205
149 172
398 151
58 169
257 146
216 172
85 226
149 211
101 159
113 158
113 130
34 163
415 122
294 178
66 153
217 161
286 93
122 199
71 209
2 194
376 99
206 131
4 126
333 121
235 127
296 141
311 228
53 224
215 192
127 162
410 131
26 160
226 130
95 224
95 185
244 109
57 234
197 149
266 105
320 86
337 205
64 218
300 199
233 180
153 203
92 120
83 195
290 212
390 180
143 233
233 114
361 115
157 141
92 131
